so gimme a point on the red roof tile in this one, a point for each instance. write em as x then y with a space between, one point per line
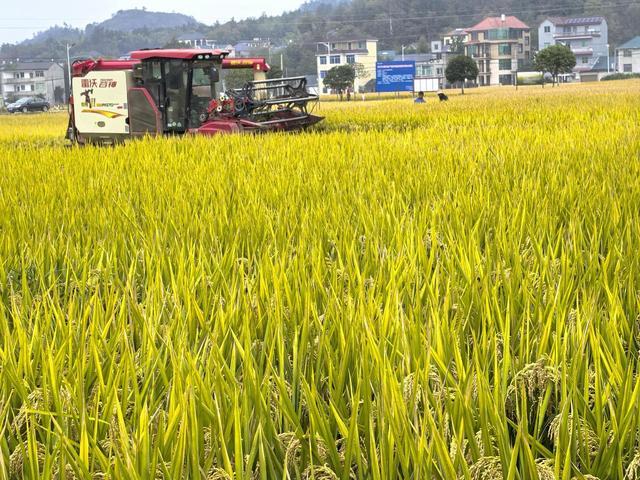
490 23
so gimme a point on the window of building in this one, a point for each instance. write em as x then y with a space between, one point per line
39 73
349 47
351 59
520 48
546 44
547 29
438 71
626 53
334 59
504 49
18 75
504 79
474 36
585 59
504 64
362 45
628 68
499 34
323 74
323 60
423 70
333 46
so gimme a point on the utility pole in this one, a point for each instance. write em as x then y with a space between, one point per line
403 52
328 45
608 60
69 65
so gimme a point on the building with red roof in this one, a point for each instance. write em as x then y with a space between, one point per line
500 46
492 23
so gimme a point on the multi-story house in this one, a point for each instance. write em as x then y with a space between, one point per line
628 56
347 52
500 46
588 39
28 79
195 40
247 48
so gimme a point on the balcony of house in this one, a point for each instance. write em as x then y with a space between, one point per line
478 52
480 55
582 51
19 80
576 35
356 47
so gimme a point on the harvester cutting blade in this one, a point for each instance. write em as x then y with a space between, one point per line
276 104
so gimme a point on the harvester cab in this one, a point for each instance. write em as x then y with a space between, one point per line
173 92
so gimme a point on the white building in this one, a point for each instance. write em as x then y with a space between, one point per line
628 56
347 52
588 39
195 40
29 79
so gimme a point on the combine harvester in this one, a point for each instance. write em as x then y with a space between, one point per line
173 92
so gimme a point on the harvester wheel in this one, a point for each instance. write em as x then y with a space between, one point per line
25 110
45 109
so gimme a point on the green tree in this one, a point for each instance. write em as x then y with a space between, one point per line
423 45
457 45
555 60
237 78
361 73
340 78
461 69
274 72
58 94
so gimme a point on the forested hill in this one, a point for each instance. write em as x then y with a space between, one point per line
399 22
412 23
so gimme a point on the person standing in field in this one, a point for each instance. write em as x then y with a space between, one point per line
420 98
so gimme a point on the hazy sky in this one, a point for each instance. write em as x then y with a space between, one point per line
19 21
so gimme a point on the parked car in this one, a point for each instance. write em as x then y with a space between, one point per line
28 104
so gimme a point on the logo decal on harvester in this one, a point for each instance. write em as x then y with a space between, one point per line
98 83
104 113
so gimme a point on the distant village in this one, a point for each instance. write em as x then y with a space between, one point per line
501 46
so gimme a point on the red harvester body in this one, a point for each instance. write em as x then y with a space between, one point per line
173 92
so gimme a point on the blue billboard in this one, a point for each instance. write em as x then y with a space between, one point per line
395 76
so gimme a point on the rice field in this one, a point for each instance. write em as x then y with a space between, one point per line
446 291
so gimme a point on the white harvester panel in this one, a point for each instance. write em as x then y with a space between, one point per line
100 102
